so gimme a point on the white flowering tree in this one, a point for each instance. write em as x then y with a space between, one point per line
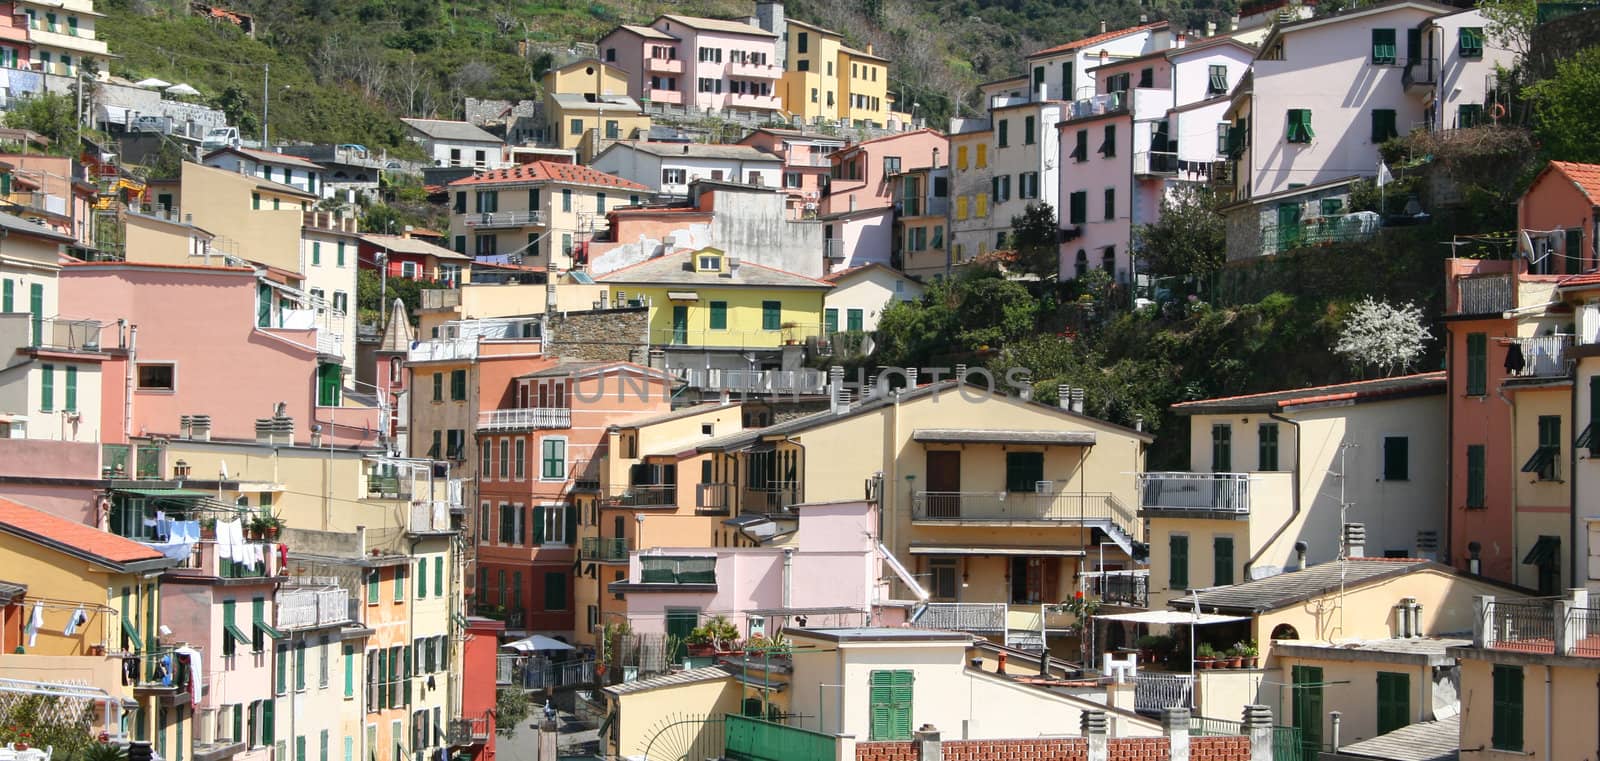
1389 337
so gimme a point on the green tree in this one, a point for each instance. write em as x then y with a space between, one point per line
1511 22
1189 238
54 116
511 707
241 109
371 293
1033 238
1567 108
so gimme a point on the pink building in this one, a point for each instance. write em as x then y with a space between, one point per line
859 174
806 164
701 63
828 572
201 349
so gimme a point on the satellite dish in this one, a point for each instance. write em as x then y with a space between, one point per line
1524 243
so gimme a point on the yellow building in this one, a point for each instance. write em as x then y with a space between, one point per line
827 80
993 500
537 214
650 495
250 218
70 568
586 107
709 298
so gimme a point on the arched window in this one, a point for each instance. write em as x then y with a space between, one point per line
1081 266
1284 631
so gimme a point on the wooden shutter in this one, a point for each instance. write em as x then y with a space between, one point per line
538 525
1477 364
1222 560
571 525
268 723
1394 701
1507 730
1475 476
1178 551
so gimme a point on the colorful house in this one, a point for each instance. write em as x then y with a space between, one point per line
251 217
413 258
536 214
709 64
805 164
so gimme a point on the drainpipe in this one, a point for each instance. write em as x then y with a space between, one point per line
1572 485
1549 674
1449 454
1294 501
127 386
1511 410
788 574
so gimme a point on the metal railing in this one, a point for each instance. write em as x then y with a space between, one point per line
388 486
1155 162
205 558
1131 588
1213 492
713 499
603 549
1154 692
660 569
525 418
471 730
1583 625
743 339
1320 231
803 381
1053 506
1286 741
1484 294
750 739
532 672
1420 72
645 495
503 219
1527 626
1106 103
833 248
434 349
312 607
1543 356
962 617
162 669
775 496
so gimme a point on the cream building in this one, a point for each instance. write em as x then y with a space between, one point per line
50 374
586 106
536 214
250 218
329 249
861 294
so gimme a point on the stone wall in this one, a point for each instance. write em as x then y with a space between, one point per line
601 335
1558 40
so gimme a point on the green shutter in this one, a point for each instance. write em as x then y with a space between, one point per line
438 576
1477 364
1394 701
1383 124
830 321
771 315
269 724
1222 560
1594 416
340 260
372 587
1267 447
228 622
422 578
72 388
300 666
1396 458
1475 476
890 703
719 315
400 582
1471 40
1299 126
571 525
1507 729
1383 47
1178 552
300 748
854 320
349 671
283 668
538 525
322 744
1080 208
316 252
1221 448
8 293
1024 470
47 388
555 591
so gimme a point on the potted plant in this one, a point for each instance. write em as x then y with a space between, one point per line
1248 652
265 525
1205 656
700 642
722 633
208 528
1231 659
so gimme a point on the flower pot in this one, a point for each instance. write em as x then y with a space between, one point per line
702 650
1203 663
97 650
1233 662
1250 661
272 532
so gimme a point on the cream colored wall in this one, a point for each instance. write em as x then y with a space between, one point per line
150 239
1350 687
1542 507
220 201
863 84
56 576
1202 533
1568 717
587 76
1223 693
629 125
641 714
871 293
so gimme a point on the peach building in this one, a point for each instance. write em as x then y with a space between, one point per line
806 164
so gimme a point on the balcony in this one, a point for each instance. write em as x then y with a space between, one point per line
1563 626
441 298
811 159
603 549
660 569
645 495
80 40
1127 588
1180 494
1485 294
429 517
1099 105
833 249
713 499
527 418
754 70
659 95
1542 356
312 607
976 617
663 65
1420 75
1320 231
437 349
162 673
1155 163
791 333
475 730
388 486
504 219
1017 507
20 329
803 381
205 560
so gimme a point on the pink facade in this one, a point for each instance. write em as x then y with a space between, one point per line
830 563
707 64
199 352
1095 214
865 237
1559 199
806 165
860 173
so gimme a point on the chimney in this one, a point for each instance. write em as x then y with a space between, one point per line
1233 23
1064 396
1175 725
1211 28
1102 31
1077 400
929 747
869 48
1299 559
1180 40
1355 540
263 430
184 424
836 403
961 373
911 378
1138 423
200 427
1144 18
361 541
1092 724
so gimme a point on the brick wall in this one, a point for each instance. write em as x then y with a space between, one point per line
1219 748
609 335
1062 749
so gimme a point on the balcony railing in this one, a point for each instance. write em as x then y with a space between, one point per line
1107 103
774 497
473 730
603 549
388 486
1153 692
645 495
504 219
1131 588
833 248
741 339
1205 492
657 569
1484 294
20 329
1530 626
713 499
1050 506
663 65
742 69
525 418
981 617
312 607
1542 356
1320 231
812 159
161 671
804 381
435 349
430 516
1155 162
1420 73
206 559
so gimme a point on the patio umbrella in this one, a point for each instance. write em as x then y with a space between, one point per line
153 83
538 643
182 89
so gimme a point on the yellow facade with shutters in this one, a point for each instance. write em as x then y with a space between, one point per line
699 298
824 79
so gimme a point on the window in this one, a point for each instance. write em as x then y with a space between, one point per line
891 165
853 320
400 583
1028 185
719 315
672 176
1221 447
1222 560
981 204
600 203
1078 207
505 459
510 524
1111 203
1397 458
47 388
1217 84
322 662
1394 701
1000 188
791 179
1475 474
943 573
1383 124
521 459
1299 129
961 157
1477 364
1507 729
1383 47
157 376
1147 77
771 315
1080 150
1108 146
961 207
372 586
1003 133
553 458
982 159
1027 130
316 252
255 201
830 321
1546 459
555 587
551 525
1178 553
488 201
708 263
282 687
330 384
1329 207
889 698
1469 115
1267 447
1471 41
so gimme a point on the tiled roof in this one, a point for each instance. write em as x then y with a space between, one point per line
645 31
75 538
718 25
1285 589
1421 741
675 269
677 414
691 676
403 245
1585 176
1099 38
442 129
892 136
268 156
1358 391
549 171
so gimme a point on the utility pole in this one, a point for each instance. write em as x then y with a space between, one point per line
266 77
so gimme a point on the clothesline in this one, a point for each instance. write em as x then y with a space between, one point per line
55 604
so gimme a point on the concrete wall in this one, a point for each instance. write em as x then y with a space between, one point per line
1558 702
1350 687
640 714
221 202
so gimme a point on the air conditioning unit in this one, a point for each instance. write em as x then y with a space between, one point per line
1044 487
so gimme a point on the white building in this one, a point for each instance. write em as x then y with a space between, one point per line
670 167
328 248
50 374
293 171
457 144
62 38
861 293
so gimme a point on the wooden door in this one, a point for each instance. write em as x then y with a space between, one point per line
944 484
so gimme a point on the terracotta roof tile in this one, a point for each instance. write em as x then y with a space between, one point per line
1099 38
1377 388
548 171
85 539
1585 176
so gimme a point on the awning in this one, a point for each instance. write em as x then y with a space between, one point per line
167 493
1585 439
132 633
760 683
1544 551
1003 436
269 630
926 549
683 296
1542 459
232 630
899 569
1172 617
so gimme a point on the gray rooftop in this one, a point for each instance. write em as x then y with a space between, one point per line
570 101
14 223
1430 650
726 26
440 129
1423 741
882 634
691 676
699 151
999 436
677 269
1285 589
11 591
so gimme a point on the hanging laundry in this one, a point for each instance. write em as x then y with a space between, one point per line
130 670
79 618
35 623
229 537
1515 362
192 658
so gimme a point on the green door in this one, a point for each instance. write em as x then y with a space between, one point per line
1308 708
680 621
1394 701
36 308
1288 226
680 324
